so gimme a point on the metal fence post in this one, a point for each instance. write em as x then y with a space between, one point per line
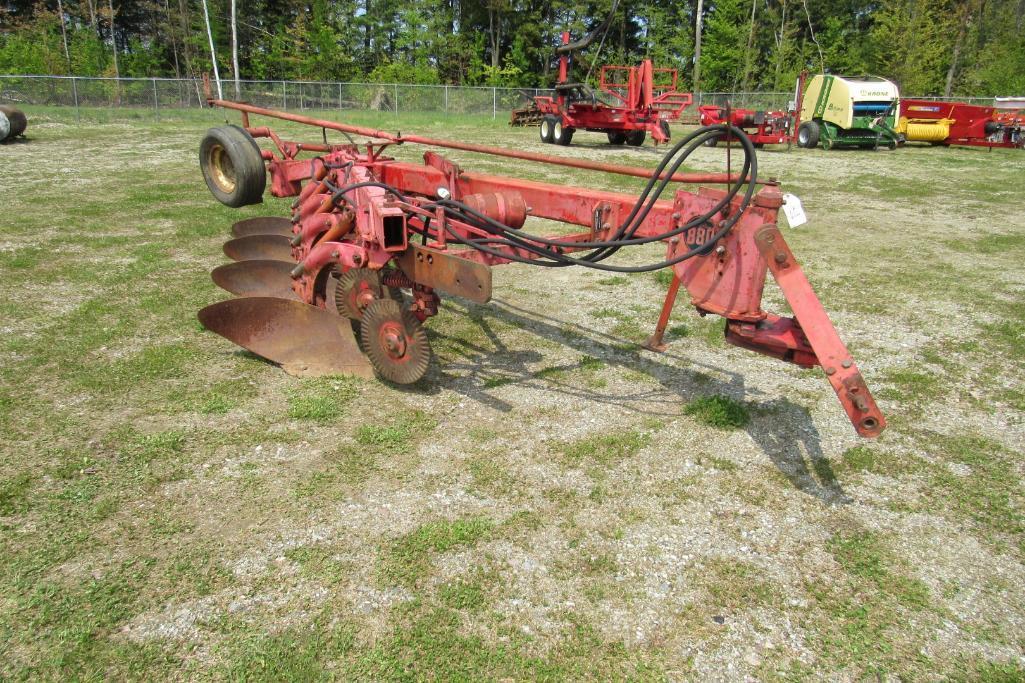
74 93
284 96
494 103
446 99
156 101
339 96
396 86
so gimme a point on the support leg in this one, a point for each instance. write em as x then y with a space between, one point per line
655 342
820 334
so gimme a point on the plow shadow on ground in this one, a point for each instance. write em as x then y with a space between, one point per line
786 435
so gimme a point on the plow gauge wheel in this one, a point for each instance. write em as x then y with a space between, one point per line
395 341
232 166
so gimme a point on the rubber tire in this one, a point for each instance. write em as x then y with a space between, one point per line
635 138
562 135
616 137
547 124
808 135
17 120
246 160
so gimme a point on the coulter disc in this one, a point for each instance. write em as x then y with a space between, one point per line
253 247
262 225
304 340
395 341
256 278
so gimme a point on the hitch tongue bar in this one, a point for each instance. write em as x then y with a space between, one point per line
618 169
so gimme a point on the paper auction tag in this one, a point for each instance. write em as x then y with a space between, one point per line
793 210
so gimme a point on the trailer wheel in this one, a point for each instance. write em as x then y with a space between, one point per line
546 129
616 137
711 142
808 135
232 166
17 121
635 138
562 135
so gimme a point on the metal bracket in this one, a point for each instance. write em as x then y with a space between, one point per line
447 273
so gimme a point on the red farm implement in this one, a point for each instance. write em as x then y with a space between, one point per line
957 123
763 127
631 101
373 242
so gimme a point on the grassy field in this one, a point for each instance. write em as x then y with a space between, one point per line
552 501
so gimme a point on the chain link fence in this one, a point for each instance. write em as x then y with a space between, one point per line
158 94
171 93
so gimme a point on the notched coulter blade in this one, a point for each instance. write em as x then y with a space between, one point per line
304 340
256 278
256 247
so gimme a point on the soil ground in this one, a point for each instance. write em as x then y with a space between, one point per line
552 501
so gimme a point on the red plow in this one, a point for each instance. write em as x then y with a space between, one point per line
373 243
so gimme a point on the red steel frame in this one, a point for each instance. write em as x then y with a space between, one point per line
969 124
763 127
372 229
645 104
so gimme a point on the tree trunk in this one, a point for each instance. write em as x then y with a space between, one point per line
962 24
113 37
113 44
64 35
174 39
92 17
697 49
184 21
811 30
747 53
495 33
213 52
234 49
780 42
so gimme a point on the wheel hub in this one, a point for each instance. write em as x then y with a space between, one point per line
394 340
223 169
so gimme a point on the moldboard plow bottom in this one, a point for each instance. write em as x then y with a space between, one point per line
346 283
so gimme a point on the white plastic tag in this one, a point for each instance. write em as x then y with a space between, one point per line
793 210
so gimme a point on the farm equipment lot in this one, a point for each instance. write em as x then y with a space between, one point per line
553 500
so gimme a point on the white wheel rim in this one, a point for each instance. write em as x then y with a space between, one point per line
558 130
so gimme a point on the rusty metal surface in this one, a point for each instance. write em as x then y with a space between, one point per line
259 247
256 278
447 273
304 340
262 225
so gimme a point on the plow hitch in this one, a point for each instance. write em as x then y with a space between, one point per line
346 282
